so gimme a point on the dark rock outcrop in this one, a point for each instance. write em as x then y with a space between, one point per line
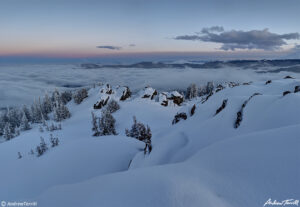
179 117
219 88
100 104
239 114
288 77
268 82
297 89
224 103
107 89
150 93
193 109
126 94
174 97
285 93
207 97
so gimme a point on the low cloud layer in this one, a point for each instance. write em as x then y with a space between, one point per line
238 39
109 47
21 84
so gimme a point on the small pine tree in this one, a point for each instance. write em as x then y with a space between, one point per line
25 123
54 141
42 148
107 124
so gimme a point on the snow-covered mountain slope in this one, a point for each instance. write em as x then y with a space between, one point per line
201 161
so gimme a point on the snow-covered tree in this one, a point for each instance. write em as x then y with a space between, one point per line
112 106
107 124
61 112
66 96
95 126
13 118
192 91
42 148
36 112
7 133
209 87
47 104
3 121
139 131
25 123
27 113
54 141
80 95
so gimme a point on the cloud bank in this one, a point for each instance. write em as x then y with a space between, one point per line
238 39
109 47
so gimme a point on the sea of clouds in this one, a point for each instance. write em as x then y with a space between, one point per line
21 84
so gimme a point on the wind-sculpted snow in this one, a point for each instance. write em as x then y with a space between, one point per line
200 161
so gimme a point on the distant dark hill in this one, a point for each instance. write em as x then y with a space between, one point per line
291 65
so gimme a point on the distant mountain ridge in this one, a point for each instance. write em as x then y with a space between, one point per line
287 64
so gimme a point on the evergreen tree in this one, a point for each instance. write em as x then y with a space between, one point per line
192 91
61 112
54 141
7 134
66 97
27 113
107 124
36 113
47 104
80 95
42 148
13 118
25 123
3 121
139 131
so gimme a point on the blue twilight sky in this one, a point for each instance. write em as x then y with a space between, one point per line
210 29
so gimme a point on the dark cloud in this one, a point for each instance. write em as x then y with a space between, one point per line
132 45
238 39
109 47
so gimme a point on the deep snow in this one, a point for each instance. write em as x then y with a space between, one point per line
201 161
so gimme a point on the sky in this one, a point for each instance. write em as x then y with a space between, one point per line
148 29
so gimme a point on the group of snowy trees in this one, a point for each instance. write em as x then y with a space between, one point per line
194 91
14 120
80 95
141 132
43 146
105 125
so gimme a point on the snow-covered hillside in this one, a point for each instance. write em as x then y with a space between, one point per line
206 160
